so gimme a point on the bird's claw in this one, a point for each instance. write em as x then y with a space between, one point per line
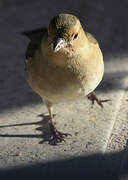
100 102
58 136
92 97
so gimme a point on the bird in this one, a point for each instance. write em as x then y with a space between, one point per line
63 62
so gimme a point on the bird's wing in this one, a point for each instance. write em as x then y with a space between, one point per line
91 38
35 37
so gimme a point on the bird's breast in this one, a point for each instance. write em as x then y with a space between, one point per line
57 82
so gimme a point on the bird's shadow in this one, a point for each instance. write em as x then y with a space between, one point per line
45 135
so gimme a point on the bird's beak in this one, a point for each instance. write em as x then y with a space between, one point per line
58 44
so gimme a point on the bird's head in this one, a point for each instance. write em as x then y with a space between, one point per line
65 31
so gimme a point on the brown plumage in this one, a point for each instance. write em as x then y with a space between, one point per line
64 62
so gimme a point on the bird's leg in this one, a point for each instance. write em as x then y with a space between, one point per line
92 97
57 136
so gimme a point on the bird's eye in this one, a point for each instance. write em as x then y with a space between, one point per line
75 36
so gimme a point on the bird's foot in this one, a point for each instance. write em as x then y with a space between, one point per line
92 97
57 136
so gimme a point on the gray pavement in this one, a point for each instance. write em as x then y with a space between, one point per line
97 148
118 139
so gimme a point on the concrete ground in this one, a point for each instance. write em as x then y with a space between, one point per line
97 148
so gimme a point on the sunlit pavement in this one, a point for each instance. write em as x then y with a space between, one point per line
97 148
